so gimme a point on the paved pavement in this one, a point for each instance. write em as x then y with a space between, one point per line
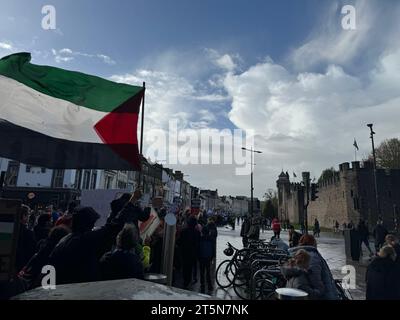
329 245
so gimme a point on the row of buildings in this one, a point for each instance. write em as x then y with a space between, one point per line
347 196
38 186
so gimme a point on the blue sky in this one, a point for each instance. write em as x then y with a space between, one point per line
285 69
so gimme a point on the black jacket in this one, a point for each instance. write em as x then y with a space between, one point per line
380 233
294 241
382 280
121 264
188 242
26 247
76 257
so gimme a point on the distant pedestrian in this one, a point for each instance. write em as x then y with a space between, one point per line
245 230
350 225
363 234
276 227
206 254
379 233
393 241
294 237
302 228
43 227
317 229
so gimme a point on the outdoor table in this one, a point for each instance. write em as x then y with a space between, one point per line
291 294
156 278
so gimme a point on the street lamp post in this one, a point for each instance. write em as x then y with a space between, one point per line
374 163
251 178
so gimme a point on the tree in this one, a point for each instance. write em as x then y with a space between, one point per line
271 204
388 154
327 174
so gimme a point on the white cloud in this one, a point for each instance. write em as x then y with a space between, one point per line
6 46
66 55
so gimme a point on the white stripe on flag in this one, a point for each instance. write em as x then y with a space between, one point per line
31 109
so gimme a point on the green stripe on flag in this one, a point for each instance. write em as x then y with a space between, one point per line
79 88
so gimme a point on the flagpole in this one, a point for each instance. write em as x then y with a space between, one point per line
141 138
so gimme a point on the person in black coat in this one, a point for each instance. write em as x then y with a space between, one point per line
76 257
26 245
380 233
206 254
123 262
32 272
294 237
382 276
43 227
189 247
363 235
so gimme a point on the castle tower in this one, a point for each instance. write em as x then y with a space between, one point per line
283 185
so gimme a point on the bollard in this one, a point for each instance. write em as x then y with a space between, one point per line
167 266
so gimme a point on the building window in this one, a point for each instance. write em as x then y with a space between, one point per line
28 168
78 178
108 182
12 173
86 179
58 178
93 181
43 170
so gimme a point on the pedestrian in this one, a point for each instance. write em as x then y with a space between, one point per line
379 233
363 235
302 228
276 227
43 227
31 274
124 262
155 242
316 228
254 231
297 275
350 225
382 276
320 275
337 226
206 254
189 248
26 245
294 237
245 230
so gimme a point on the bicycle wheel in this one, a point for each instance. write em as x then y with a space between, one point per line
241 283
225 274
267 289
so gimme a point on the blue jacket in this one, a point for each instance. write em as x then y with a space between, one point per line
320 275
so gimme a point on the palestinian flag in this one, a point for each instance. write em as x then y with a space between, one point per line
56 118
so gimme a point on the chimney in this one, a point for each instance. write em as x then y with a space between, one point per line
368 164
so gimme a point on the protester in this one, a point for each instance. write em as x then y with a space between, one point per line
32 272
189 248
321 278
363 234
294 237
26 246
43 227
155 242
382 276
123 262
76 257
276 227
296 273
254 231
379 233
206 254
245 230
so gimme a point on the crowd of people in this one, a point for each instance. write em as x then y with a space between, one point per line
81 252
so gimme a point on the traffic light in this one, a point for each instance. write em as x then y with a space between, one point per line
314 191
